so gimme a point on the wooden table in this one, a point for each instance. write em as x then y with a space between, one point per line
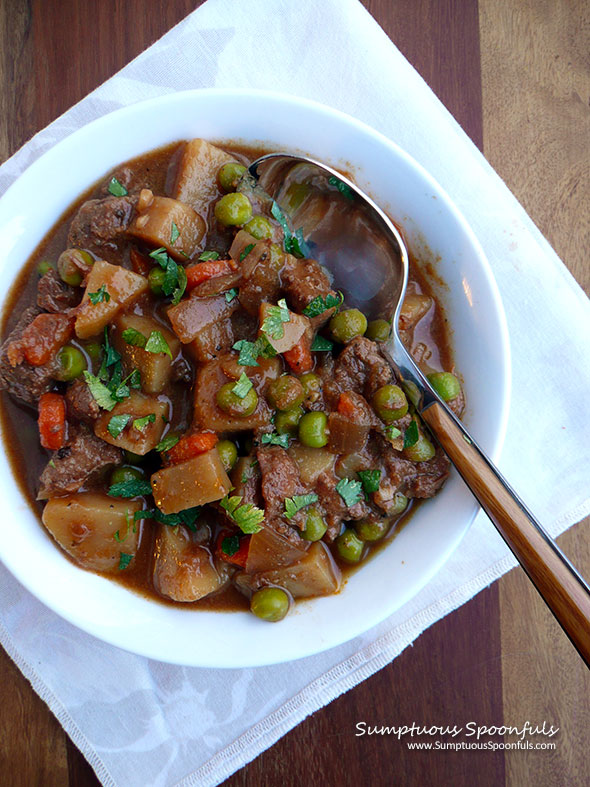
515 74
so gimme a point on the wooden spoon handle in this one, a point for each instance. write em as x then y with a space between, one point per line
561 587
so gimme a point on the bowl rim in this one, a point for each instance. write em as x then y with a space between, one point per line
46 159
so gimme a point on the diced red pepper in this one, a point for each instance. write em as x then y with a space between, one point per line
240 557
299 357
52 421
189 446
202 271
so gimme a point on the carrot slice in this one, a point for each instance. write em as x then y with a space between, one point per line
196 274
189 446
346 405
240 557
299 357
52 421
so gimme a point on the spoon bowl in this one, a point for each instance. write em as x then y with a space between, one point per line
348 233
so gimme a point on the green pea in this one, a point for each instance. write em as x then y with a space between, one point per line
421 451
230 174
233 209
70 265
228 453
72 363
390 403
287 421
285 393
132 458
372 531
260 227
313 429
349 546
400 503
125 473
44 267
347 324
270 604
312 387
93 349
378 330
315 527
231 403
156 279
445 384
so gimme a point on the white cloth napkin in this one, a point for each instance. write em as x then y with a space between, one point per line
141 722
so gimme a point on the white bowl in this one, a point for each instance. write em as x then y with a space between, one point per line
429 219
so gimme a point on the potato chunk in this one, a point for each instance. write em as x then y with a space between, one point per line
154 222
155 368
269 550
121 287
139 438
293 329
193 315
196 181
200 480
183 570
85 525
316 574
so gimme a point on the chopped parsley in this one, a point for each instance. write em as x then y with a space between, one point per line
174 234
343 188
124 560
133 337
167 443
297 502
117 424
321 345
392 432
411 435
174 283
131 488
141 423
275 317
246 251
275 439
156 343
188 517
293 243
100 295
231 294
370 479
208 255
230 545
250 351
245 515
102 395
349 491
320 304
116 188
243 385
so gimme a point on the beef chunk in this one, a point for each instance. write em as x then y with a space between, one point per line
430 476
360 367
81 405
54 295
101 224
335 509
280 479
22 380
82 460
304 280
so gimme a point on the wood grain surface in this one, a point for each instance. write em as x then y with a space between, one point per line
516 75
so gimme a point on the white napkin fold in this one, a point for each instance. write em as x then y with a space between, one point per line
141 722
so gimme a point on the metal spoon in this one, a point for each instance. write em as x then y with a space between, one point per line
343 225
